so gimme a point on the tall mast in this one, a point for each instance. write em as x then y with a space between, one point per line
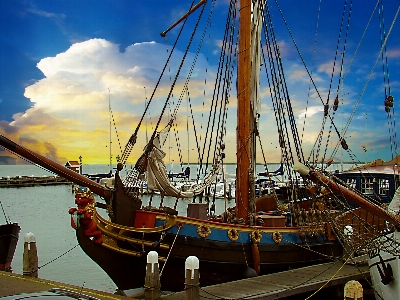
109 110
244 118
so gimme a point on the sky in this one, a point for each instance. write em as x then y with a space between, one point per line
64 61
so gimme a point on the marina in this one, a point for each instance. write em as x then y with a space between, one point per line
292 229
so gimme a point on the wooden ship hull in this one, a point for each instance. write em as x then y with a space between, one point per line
9 234
225 254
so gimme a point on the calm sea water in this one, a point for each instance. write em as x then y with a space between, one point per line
44 212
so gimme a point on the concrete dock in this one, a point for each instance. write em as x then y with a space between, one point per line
12 284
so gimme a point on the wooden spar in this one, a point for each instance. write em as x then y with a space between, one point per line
55 167
243 113
349 195
164 33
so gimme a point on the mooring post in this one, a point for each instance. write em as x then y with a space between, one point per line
152 281
30 258
192 276
353 290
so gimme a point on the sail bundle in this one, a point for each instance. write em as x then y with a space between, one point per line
157 177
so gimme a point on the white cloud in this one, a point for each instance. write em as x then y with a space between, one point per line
45 14
328 67
82 75
309 112
72 99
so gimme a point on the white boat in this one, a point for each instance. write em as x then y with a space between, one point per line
384 261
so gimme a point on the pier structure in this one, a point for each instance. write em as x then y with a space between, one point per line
25 181
324 281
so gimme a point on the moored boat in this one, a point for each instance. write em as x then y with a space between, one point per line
9 234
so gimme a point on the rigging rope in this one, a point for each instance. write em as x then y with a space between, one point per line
116 131
186 89
336 101
305 66
170 249
280 97
4 212
34 271
132 139
175 79
224 75
333 276
312 67
388 98
342 134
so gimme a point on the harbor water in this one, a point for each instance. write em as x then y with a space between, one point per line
43 210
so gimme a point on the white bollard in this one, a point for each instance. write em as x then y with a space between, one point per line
192 277
30 258
152 281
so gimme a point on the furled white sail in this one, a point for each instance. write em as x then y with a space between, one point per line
256 56
157 177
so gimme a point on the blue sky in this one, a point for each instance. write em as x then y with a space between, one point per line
33 30
63 59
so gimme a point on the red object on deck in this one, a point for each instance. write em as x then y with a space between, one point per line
145 219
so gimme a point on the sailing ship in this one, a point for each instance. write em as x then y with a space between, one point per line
243 241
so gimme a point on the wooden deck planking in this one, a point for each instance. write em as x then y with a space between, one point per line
283 284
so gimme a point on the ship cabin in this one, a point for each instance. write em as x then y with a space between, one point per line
377 182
